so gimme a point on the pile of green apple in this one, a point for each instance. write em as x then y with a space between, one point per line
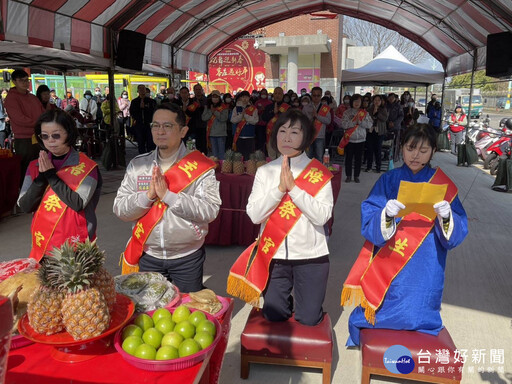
166 336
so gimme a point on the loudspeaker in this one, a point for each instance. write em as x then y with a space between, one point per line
499 55
130 49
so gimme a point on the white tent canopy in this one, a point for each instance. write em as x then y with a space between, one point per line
391 68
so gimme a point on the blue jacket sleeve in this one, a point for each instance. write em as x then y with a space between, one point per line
460 226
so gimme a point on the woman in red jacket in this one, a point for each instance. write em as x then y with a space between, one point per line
457 122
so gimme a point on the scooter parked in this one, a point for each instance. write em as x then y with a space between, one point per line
498 148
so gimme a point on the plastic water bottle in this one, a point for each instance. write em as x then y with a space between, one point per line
327 158
193 145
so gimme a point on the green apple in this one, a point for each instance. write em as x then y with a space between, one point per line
188 347
144 321
207 326
145 351
196 317
132 330
161 313
167 352
185 329
180 314
204 339
165 325
153 337
131 343
172 339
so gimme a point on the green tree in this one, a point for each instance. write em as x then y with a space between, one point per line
485 83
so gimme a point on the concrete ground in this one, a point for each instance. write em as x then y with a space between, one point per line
477 302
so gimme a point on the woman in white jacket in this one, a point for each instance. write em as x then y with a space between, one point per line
301 261
355 116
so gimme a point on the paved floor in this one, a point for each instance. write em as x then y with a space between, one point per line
477 302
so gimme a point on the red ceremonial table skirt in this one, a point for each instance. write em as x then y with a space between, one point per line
232 226
10 169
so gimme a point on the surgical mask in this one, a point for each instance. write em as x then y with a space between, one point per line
125 96
346 101
286 99
88 97
97 93
263 96
255 94
304 103
406 97
215 100
228 99
410 105
303 93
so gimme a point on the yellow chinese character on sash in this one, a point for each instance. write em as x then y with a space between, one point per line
314 175
139 231
268 243
38 237
51 203
189 167
77 169
400 245
287 209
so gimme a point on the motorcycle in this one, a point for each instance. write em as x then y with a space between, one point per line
496 150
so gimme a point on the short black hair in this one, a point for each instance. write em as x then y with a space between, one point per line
418 133
188 90
354 97
61 118
294 116
174 108
316 89
18 74
42 88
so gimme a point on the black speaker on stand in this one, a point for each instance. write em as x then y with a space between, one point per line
499 55
130 49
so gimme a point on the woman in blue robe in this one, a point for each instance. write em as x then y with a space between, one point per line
413 299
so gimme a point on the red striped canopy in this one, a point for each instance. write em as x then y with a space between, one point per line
182 33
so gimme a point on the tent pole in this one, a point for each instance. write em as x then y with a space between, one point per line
111 86
426 98
475 53
65 83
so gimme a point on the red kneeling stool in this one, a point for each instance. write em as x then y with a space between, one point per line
286 343
375 342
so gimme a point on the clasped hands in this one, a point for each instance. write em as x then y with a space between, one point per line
158 184
443 208
44 162
286 180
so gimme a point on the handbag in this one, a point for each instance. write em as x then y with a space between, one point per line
471 154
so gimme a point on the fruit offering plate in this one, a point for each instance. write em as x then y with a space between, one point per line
174 364
123 311
224 301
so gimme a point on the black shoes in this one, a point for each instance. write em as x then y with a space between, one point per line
368 170
356 179
348 179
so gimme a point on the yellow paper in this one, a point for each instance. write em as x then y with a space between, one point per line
420 197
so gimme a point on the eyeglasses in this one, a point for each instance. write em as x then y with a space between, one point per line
54 136
167 127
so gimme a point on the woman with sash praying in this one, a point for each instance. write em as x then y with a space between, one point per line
62 187
292 200
398 277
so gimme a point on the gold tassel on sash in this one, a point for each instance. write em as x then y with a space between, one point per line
242 289
126 268
355 296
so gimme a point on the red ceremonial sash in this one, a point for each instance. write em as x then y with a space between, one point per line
52 211
317 124
371 275
191 108
249 110
210 123
249 274
346 136
270 125
457 128
178 177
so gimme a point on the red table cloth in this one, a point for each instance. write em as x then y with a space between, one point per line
34 364
232 226
10 169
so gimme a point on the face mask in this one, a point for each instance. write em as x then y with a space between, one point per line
88 97
304 103
303 93
286 99
228 99
263 97
215 100
256 94
125 96
406 97
411 105
346 102
97 93
4 95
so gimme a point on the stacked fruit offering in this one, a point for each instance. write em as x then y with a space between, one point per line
166 336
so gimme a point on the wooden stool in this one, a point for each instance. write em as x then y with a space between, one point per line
375 342
286 343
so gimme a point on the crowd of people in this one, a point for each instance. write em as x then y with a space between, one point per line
291 196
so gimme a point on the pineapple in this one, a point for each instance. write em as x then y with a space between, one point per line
43 308
238 165
260 158
84 310
227 164
251 164
102 279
